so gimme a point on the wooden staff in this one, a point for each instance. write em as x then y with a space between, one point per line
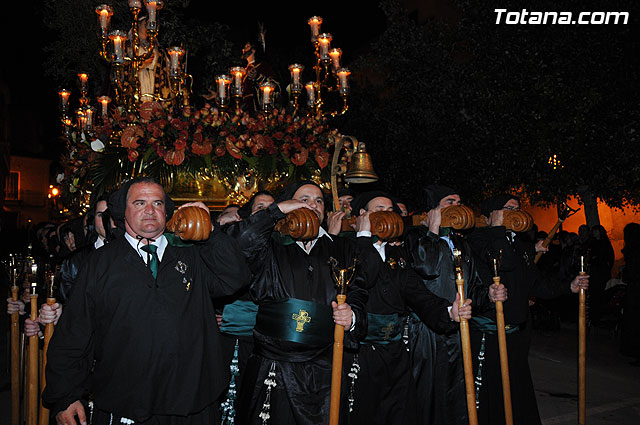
504 358
32 380
342 277
466 345
562 216
48 332
582 351
15 355
336 369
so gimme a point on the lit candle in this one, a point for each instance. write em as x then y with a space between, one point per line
296 70
324 40
335 55
311 94
152 8
84 78
81 118
64 98
267 89
238 73
314 22
223 82
88 114
118 38
104 101
105 12
581 264
343 79
175 53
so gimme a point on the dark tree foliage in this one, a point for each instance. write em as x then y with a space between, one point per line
482 107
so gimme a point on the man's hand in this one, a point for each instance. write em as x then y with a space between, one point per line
195 204
496 218
334 222
457 312
580 282
67 417
363 222
15 307
540 248
292 204
342 314
434 219
497 293
50 313
31 328
219 319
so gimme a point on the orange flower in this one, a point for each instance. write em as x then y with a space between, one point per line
130 137
174 157
322 158
300 157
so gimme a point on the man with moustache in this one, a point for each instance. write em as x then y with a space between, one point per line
139 334
288 377
437 356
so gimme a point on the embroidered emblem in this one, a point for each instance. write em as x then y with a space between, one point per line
392 263
386 330
301 318
181 267
187 283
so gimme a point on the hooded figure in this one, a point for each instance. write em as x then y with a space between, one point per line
138 332
436 357
523 279
117 203
288 377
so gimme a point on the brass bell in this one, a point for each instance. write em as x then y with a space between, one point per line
360 168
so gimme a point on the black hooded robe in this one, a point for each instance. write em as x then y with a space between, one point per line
301 370
522 278
437 357
385 392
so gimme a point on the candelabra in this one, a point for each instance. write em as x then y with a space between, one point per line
137 52
331 81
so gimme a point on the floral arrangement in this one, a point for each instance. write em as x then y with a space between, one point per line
156 141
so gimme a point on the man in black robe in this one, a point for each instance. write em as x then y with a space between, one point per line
238 313
520 275
138 336
384 391
288 377
436 356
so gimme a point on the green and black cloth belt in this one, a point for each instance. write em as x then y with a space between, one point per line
487 325
296 320
383 328
239 318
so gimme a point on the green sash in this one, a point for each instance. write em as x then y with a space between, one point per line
295 320
239 318
383 328
486 325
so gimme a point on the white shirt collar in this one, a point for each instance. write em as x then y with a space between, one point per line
321 233
99 243
160 242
